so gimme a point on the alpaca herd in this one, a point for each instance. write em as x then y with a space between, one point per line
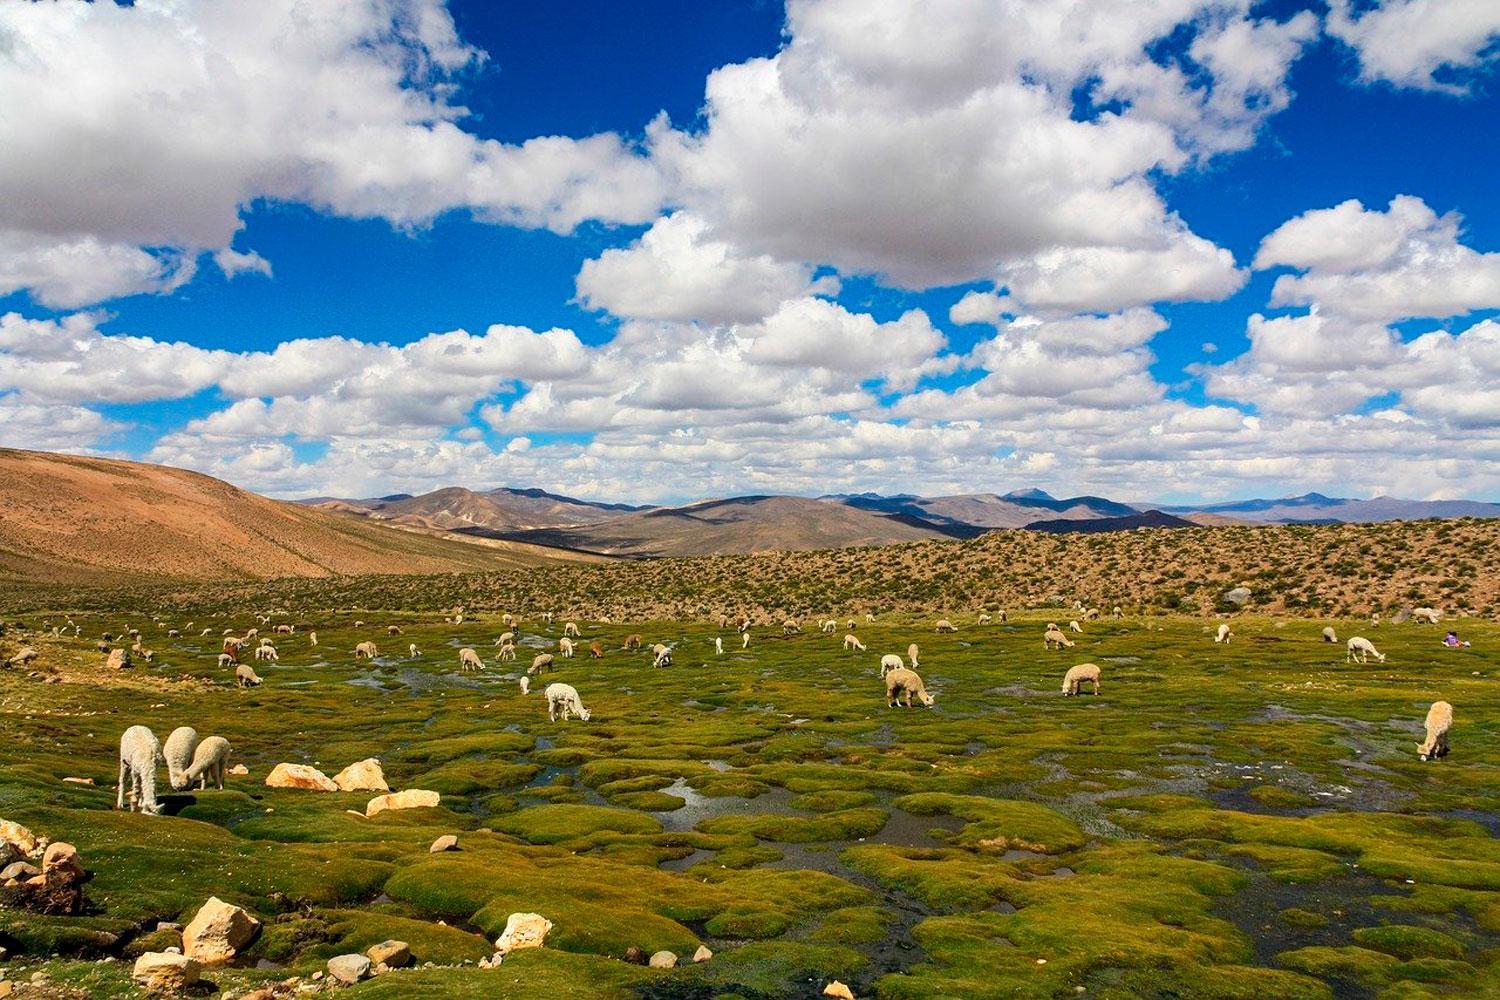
192 762
188 761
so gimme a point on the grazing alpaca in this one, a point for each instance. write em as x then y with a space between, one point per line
140 751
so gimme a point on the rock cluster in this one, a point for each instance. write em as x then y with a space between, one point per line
38 876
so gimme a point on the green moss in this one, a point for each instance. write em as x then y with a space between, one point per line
1358 965
465 777
853 925
1407 941
29 933
1438 970
729 785
1280 798
356 930
744 857
1295 917
536 972
1001 824
845 824
1292 864
832 800
649 801
552 824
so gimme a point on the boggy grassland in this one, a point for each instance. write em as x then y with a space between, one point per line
1239 820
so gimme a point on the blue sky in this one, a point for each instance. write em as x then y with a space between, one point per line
681 249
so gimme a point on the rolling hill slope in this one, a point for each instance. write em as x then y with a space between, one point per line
983 511
738 525
68 519
454 508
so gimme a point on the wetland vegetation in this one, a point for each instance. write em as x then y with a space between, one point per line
1239 820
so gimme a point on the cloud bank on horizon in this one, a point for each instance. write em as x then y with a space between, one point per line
943 247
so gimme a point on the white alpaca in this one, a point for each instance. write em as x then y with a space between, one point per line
267 653
1080 675
1429 615
469 660
23 658
1054 637
889 662
210 762
1329 635
413 652
225 660
944 625
828 626
312 638
984 619
245 676
564 698
1075 627
140 752
719 645
851 641
565 646
744 640
366 650
1361 649
901 684
506 638
1439 721
507 653
1223 635
790 627
204 632
525 684
571 628
663 655
178 753
911 654
539 663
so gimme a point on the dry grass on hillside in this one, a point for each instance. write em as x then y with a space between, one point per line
68 520
1311 570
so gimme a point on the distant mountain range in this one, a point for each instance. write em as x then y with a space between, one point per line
1315 508
767 523
67 519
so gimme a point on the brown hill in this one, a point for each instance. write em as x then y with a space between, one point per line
454 508
738 525
68 519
